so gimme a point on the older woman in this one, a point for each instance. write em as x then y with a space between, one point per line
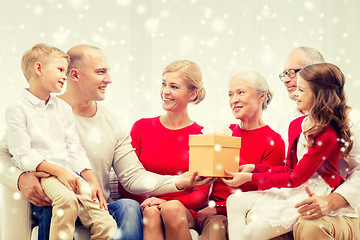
161 144
249 95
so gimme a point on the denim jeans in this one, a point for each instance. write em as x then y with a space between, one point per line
126 212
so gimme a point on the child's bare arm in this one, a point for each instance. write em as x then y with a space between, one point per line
65 177
96 191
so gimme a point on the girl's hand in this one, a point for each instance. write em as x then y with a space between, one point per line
153 201
247 168
237 179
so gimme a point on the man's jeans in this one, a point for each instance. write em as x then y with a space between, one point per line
126 212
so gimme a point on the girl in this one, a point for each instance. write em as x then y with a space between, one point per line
315 144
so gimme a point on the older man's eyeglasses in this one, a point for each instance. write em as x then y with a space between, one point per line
290 73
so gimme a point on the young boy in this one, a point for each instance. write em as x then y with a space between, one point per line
41 137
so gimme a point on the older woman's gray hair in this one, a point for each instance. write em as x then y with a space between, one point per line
257 82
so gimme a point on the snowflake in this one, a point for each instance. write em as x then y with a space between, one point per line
117 234
77 3
60 213
62 235
218 25
265 12
16 196
301 19
216 226
61 37
187 43
141 9
123 2
152 25
208 12
309 5
38 10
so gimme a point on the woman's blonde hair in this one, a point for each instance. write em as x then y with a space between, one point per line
258 83
190 72
327 84
39 53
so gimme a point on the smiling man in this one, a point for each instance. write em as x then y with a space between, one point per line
297 59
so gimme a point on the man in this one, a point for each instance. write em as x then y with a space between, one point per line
315 223
106 144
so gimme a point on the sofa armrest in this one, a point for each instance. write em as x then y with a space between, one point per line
15 219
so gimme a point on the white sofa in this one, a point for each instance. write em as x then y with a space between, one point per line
16 219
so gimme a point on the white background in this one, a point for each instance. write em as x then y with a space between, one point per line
141 37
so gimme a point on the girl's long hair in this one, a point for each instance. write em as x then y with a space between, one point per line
327 83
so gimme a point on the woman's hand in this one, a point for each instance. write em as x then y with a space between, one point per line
153 201
247 168
236 179
188 181
203 214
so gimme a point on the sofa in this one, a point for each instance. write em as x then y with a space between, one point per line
16 220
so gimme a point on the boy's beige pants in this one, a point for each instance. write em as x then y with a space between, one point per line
67 206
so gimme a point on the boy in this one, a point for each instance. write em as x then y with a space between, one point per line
41 137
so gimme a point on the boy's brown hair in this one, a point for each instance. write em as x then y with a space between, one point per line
40 53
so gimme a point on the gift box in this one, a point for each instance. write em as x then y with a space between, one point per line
210 155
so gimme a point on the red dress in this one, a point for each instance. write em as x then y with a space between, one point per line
164 151
322 158
262 145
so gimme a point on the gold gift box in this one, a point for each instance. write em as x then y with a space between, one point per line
210 155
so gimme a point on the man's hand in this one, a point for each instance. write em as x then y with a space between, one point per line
203 214
317 206
30 187
187 181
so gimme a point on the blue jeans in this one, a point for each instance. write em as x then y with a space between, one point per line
126 212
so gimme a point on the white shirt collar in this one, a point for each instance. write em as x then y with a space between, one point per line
35 100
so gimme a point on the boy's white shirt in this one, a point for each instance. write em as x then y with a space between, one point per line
37 131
